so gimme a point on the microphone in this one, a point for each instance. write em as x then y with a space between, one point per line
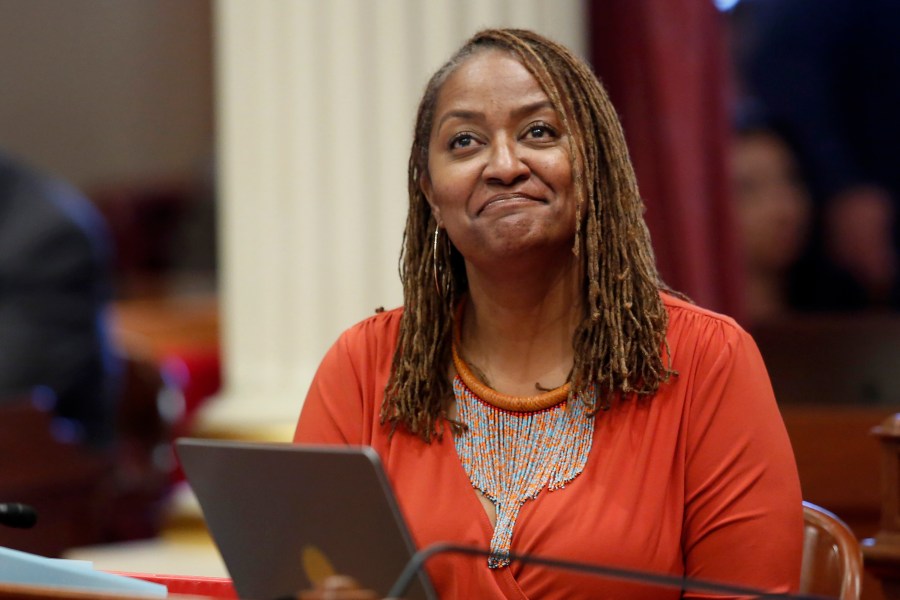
684 583
16 514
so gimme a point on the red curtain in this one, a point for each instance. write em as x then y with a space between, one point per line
665 67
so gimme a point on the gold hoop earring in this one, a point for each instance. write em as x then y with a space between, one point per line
434 259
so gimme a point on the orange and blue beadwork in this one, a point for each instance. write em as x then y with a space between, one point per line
510 456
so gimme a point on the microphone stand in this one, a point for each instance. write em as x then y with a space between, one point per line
685 583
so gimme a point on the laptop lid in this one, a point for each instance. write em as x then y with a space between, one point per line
284 516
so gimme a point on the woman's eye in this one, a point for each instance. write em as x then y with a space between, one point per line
462 140
540 131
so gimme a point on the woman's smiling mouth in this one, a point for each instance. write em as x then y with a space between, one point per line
500 200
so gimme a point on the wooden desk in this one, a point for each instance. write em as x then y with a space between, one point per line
8 590
882 552
835 378
33 592
838 460
149 328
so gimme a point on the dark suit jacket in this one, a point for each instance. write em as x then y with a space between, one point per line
54 290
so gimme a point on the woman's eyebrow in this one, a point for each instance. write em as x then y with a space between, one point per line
475 115
533 107
465 115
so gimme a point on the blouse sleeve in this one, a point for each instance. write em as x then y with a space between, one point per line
743 512
344 399
333 410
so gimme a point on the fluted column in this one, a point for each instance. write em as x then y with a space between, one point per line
315 107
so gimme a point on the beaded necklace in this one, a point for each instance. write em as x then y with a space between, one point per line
515 446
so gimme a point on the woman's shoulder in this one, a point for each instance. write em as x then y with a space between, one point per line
373 336
687 320
382 323
681 309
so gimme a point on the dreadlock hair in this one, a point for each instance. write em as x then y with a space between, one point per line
619 343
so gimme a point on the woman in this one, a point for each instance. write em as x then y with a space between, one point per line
538 349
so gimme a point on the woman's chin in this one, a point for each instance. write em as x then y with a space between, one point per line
516 244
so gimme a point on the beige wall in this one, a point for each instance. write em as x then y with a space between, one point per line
107 91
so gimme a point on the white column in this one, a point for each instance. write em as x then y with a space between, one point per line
315 107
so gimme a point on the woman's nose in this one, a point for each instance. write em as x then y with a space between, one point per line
505 166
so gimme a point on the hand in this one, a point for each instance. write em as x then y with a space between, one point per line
859 236
338 587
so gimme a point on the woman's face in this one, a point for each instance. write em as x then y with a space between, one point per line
499 174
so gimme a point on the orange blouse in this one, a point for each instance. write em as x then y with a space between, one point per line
699 480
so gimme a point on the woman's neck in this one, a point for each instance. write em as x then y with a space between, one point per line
517 328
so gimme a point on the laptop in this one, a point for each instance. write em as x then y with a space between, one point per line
284 516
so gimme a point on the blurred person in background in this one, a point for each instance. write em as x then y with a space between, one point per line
774 216
830 71
55 287
775 222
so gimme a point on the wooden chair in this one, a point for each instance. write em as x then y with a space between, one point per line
832 559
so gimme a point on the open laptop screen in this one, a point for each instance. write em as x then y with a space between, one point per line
284 516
